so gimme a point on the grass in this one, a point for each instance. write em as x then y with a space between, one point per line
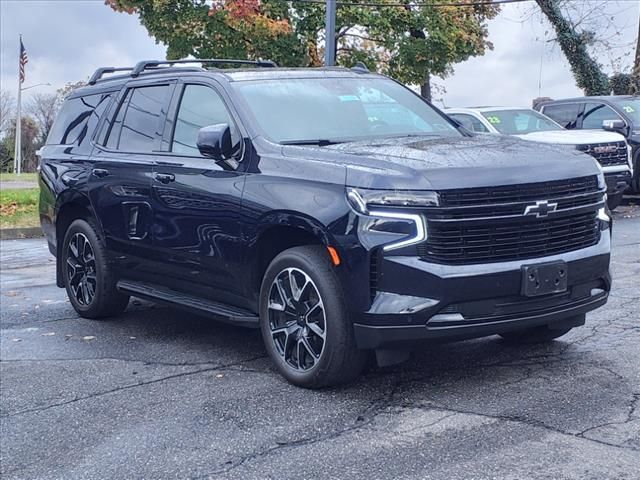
23 177
19 208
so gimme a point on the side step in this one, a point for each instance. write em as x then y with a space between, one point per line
220 311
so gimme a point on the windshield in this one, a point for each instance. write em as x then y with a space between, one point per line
518 122
326 110
631 108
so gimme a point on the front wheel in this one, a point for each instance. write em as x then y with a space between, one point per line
614 200
305 322
87 275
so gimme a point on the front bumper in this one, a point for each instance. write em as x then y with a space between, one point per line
417 301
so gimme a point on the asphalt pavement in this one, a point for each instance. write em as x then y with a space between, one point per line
157 393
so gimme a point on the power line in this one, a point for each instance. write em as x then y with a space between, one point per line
427 4
411 4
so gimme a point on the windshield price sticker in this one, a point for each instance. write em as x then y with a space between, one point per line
494 120
628 108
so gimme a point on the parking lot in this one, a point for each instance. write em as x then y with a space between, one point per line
158 393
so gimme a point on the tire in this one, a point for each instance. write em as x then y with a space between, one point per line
635 180
614 200
87 274
304 320
534 335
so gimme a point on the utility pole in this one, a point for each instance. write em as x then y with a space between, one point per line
330 35
17 160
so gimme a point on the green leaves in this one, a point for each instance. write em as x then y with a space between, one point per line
408 42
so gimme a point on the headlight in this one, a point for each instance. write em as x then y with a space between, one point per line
382 224
602 183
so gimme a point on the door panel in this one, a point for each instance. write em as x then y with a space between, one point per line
120 180
196 203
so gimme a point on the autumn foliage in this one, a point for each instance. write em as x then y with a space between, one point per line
407 40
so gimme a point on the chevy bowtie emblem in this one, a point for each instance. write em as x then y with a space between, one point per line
542 208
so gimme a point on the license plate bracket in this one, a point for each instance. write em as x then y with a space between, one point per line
544 278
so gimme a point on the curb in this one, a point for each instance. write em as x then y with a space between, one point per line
17 233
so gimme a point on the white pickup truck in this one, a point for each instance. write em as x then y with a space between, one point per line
608 148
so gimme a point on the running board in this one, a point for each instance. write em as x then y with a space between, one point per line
220 311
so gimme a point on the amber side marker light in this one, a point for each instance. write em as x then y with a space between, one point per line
333 253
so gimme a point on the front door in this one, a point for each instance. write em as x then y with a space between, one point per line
196 201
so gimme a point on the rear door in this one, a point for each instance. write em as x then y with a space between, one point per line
120 181
196 201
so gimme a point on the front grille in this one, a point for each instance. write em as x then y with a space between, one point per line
519 193
488 225
373 274
607 154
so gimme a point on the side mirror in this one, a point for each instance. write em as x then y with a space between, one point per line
613 125
215 142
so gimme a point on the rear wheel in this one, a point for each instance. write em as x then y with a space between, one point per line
635 181
305 322
87 275
540 334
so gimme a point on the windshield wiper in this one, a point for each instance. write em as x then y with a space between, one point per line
320 142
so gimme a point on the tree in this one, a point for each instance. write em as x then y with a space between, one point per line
43 107
585 69
7 111
579 30
634 87
30 142
410 41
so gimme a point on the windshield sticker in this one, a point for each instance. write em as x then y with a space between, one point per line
494 120
628 108
349 98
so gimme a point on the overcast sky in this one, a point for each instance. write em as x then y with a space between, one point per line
67 39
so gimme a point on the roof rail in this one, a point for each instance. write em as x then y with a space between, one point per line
97 75
150 64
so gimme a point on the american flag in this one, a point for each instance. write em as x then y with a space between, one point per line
23 60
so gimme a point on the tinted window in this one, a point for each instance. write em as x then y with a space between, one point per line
630 107
110 134
470 122
139 119
339 109
517 122
565 114
596 113
77 118
200 106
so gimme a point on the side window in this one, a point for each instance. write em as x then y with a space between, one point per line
72 124
137 122
200 106
110 134
470 122
565 114
595 113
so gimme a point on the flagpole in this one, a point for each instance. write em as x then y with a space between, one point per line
17 165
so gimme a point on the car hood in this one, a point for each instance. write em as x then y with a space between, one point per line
572 137
445 163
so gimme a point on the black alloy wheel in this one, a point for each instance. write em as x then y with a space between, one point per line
87 272
81 269
297 319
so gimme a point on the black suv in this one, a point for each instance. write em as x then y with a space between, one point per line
334 209
616 113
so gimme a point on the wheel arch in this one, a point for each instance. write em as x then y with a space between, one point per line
70 207
278 232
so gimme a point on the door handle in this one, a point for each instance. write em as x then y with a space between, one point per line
100 172
165 177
